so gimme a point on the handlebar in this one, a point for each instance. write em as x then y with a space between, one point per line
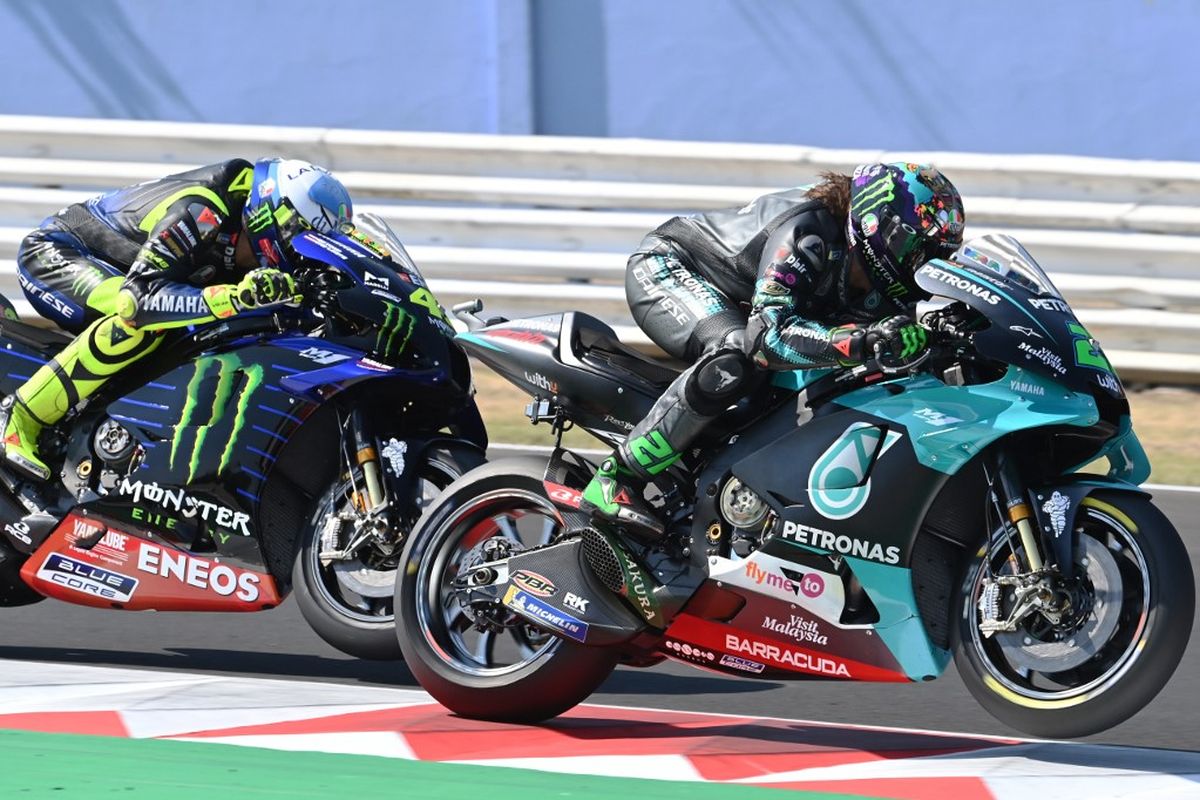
467 313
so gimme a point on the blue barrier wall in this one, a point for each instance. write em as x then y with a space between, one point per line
1093 77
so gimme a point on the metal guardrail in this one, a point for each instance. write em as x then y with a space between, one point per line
537 224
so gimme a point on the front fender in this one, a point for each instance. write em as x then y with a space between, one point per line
402 458
1056 505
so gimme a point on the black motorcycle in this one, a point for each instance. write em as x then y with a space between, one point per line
248 457
849 524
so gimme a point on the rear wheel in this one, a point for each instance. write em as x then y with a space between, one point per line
347 600
1131 602
488 667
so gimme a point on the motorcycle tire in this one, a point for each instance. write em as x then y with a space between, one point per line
330 609
1108 665
547 675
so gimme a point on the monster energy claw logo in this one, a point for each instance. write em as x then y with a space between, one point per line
259 219
837 483
394 319
228 369
913 340
878 192
86 279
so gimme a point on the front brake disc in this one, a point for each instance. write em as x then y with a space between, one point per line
1025 651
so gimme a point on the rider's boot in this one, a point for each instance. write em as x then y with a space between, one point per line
74 374
21 431
690 403
616 494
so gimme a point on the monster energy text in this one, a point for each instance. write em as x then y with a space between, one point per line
176 499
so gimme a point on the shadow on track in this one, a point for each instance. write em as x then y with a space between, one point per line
303 666
653 683
228 662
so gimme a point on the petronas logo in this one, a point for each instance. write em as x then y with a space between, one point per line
236 383
880 191
839 482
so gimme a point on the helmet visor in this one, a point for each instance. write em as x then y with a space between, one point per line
908 248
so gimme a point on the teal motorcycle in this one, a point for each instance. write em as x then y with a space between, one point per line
856 524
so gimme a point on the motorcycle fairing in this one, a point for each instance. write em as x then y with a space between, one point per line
812 601
798 379
1027 327
19 360
374 288
947 426
874 542
334 368
1126 456
93 561
215 426
834 462
729 649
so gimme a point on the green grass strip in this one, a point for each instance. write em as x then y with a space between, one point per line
51 765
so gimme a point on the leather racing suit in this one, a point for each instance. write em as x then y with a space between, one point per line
119 270
736 292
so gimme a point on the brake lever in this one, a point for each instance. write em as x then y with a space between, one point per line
896 367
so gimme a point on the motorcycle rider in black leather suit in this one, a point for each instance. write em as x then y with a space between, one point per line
805 278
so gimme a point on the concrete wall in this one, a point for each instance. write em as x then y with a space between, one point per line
1093 77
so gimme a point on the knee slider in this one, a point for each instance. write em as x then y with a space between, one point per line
719 379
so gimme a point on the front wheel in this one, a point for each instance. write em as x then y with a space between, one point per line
348 600
1131 602
485 663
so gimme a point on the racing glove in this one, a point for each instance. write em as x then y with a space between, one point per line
265 287
259 288
902 341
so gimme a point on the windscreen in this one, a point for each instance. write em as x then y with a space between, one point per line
379 231
1004 254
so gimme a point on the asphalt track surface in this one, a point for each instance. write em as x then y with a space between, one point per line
278 643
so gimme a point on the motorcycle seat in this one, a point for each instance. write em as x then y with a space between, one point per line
45 340
597 344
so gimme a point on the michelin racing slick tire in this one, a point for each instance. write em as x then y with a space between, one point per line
348 603
509 671
1095 669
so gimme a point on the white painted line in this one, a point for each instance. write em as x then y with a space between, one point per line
987 737
1169 487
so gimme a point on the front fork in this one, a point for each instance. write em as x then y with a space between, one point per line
367 458
367 518
1020 515
1032 585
